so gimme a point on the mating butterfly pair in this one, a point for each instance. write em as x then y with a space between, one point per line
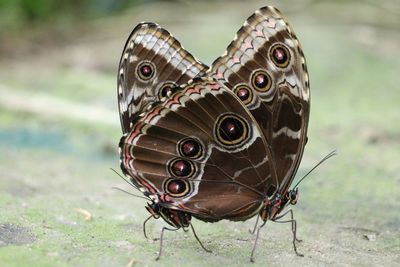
219 142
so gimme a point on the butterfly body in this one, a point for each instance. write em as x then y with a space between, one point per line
218 142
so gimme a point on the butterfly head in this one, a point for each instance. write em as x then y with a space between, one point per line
292 196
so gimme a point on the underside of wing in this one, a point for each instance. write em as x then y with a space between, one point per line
200 151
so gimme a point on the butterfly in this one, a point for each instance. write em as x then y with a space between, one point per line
217 142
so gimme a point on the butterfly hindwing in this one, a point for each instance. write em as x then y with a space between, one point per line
197 150
265 67
153 62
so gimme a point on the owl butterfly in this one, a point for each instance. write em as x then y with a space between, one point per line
218 142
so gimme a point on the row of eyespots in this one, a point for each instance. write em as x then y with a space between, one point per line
182 168
260 79
146 71
230 130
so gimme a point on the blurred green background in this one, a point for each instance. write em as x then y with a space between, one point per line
59 132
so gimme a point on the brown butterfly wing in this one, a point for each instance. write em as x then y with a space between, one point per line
152 63
265 67
200 151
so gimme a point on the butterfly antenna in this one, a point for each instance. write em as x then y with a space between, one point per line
331 154
129 183
129 193
123 178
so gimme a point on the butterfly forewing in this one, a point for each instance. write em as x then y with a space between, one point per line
153 63
265 67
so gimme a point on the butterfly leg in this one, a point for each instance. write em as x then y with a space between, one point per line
255 226
255 242
162 238
292 220
198 240
294 228
144 226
